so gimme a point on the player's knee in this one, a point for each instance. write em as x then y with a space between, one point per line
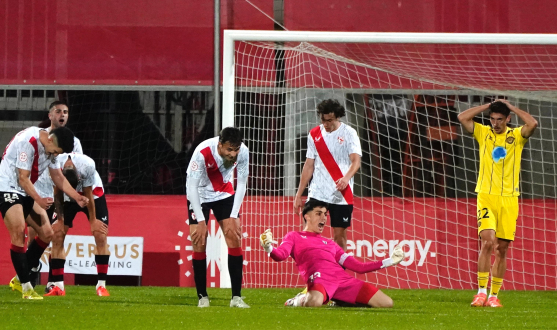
232 239
488 245
58 238
100 239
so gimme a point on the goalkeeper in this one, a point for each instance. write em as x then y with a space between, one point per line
321 261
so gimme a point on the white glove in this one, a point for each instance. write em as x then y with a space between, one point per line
266 240
396 257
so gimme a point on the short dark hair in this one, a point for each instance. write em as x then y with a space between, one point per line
55 103
331 106
312 204
231 135
64 138
71 175
499 107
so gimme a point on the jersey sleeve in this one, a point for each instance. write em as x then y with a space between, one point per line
518 136
480 132
312 151
196 167
285 249
243 162
77 148
354 146
25 153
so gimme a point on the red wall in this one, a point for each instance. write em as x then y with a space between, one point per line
450 225
171 41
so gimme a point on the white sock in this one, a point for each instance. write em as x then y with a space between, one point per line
491 296
49 284
101 283
17 277
484 291
26 286
60 285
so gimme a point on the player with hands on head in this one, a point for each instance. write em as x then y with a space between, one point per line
321 263
500 150
26 157
209 187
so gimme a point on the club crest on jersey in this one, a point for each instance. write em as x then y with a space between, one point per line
498 154
23 157
510 140
340 140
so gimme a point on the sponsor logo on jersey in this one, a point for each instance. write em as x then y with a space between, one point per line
324 242
498 154
345 219
317 139
211 165
303 236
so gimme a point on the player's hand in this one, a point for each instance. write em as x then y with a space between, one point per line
266 240
82 201
298 204
58 226
342 183
99 226
398 254
200 233
45 203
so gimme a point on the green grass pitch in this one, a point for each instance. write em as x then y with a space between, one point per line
175 308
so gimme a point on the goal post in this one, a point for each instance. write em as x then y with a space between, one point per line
402 93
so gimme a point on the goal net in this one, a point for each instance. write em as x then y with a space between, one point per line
402 93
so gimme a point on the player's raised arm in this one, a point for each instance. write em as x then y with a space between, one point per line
466 117
530 123
351 263
280 253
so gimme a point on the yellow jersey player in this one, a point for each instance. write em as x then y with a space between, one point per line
500 149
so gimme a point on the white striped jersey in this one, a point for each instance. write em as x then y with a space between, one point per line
86 173
44 185
341 143
26 152
214 178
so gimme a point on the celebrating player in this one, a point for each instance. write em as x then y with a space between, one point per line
333 157
80 171
209 187
321 261
26 157
39 219
500 150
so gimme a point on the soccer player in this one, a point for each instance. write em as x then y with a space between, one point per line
80 171
26 157
321 262
58 114
500 149
333 157
209 187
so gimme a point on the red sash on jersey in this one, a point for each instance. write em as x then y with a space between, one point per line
330 163
35 168
214 174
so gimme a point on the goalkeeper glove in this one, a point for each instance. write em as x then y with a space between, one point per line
266 240
396 257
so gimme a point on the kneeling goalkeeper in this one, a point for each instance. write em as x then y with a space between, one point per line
321 261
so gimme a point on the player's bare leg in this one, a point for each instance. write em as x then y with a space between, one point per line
15 223
233 236
340 237
55 286
380 300
313 299
489 242
199 261
498 272
40 234
101 259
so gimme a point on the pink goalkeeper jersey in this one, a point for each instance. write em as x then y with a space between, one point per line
313 254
